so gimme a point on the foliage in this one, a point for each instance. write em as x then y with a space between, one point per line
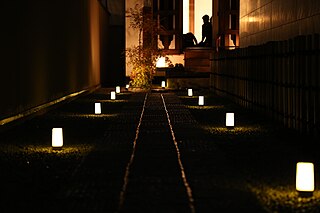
143 57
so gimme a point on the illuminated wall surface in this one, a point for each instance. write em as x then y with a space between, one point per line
267 20
52 50
201 8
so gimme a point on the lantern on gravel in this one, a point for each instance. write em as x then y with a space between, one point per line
201 101
97 108
117 89
163 84
305 177
229 119
113 95
57 137
190 93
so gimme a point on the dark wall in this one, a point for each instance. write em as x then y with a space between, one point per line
115 74
50 49
280 79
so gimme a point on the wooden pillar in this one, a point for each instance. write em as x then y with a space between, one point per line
215 21
191 16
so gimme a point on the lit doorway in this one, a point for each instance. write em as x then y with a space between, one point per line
193 10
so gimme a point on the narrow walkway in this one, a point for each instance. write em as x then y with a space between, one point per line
155 180
96 184
151 152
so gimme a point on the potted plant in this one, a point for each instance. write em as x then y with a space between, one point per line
143 57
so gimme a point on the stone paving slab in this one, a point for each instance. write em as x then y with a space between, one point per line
155 183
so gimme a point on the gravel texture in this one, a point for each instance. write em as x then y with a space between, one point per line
250 168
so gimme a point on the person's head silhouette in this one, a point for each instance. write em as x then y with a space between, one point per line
205 18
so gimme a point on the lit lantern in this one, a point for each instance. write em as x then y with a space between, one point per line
163 84
57 138
113 95
190 92
117 89
127 86
97 108
201 100
305 177
230 119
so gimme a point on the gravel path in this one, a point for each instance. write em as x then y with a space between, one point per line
153 152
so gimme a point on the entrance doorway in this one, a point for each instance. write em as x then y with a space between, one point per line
193 10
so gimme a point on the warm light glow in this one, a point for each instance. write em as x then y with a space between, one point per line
127 86
230 119
231 45
57 137
201 7
185 27
190 92
97 108
113 95
94 34
253 19
305 177
161 62
201 100
163 84
117 89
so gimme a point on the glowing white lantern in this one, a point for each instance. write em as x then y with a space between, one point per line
97 108
117 89
163 84
201 100
305 177
57 138
113 95
190 92
127 86
230 119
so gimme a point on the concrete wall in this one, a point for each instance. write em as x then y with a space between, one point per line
115 75
50 49
274 20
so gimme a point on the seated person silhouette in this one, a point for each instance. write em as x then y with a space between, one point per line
206 40
189 40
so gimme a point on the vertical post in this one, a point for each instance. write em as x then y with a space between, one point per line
191 16
215 22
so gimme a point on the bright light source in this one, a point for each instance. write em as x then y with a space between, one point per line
113 95
163 84
161 62
57 138
186 11
117 89
230 119
305 177
201 7
201 100
127 86
190 92
97 108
